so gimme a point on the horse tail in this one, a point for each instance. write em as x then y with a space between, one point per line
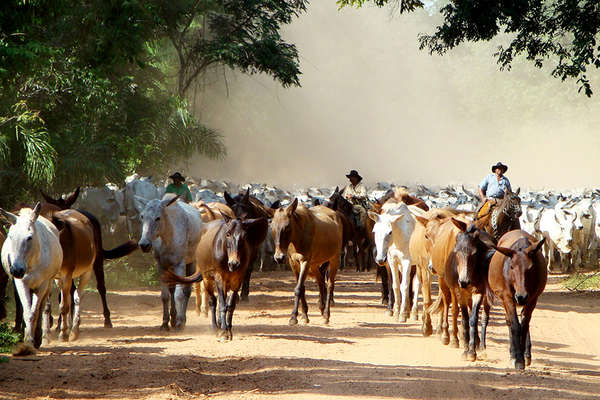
436 306
198 291
489 294
171 278
101 254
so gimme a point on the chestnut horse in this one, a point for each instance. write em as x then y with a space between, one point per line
248 207
309 238
503 217
222 257
518 276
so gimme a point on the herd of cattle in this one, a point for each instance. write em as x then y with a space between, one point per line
214 242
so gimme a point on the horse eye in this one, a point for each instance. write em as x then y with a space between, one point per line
157 219
29 238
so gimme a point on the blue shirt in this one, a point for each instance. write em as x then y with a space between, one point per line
492 187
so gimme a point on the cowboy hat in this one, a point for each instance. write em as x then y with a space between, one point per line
354 174
177 177
503 167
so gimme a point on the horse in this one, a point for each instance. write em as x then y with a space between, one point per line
518 276
309 238
466 274
392 230
502 218
3 282
32 255
172 229
222 257
248 207
357 238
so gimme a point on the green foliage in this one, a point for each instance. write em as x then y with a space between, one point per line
8 339
561 33
582 281
128 274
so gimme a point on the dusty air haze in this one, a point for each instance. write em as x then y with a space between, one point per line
370 100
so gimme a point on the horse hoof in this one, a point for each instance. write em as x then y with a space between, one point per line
481 347
305 320
326 321
293 321
402 318
64 337
164 327
389 313
445 340
108 324
45 342
471 356
73 336
179 327
427 330
519 364
244 299
528 361
414 316
454 343
23 350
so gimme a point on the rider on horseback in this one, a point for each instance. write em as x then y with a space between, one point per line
356 193
492 188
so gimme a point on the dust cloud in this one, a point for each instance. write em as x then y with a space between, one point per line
371 101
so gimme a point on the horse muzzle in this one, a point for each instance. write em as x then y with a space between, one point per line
521 298
145 246
17 270
381 260
279 258
233 265
464 283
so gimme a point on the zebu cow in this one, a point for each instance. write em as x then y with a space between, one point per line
557 225
393 229
584 234
172 229
32 255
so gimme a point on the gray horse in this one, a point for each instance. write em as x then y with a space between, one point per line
172 229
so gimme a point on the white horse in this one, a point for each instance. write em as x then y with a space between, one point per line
32 255
172 228
392 230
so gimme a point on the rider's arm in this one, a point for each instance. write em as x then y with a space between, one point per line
483 188
482 194
508 184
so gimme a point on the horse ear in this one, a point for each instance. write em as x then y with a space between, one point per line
12 218
486 240
246 198
72 198
228 199
421 220
337 190
292 207
459 224
504 251
256 230
140 202
167 202
534 248
48 199
374 216
518 191
396 218
36 211
276 204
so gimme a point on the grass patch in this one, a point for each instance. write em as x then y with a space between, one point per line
581 281
123 274
8 338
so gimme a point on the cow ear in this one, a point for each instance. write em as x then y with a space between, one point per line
505 251
421 220
459 224
167 202
12 218
518 191
292 207
228 199
139 202
256 230
72 198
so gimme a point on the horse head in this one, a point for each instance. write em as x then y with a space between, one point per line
283 227
382 232
152 215
471 244
62 204
21 239
236 239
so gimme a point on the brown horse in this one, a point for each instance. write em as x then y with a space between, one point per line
222 258
501 217
518 276
213 210
248 207
309 238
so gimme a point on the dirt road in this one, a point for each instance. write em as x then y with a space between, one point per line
362 354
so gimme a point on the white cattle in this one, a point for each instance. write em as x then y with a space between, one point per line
142 188
584 234
557 225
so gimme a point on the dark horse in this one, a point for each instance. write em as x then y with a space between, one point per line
222 259
48 208
502 217
246 207
358 239
518 276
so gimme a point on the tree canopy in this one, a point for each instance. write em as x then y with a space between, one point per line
90 91
561 33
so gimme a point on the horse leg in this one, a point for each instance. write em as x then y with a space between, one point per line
246 283
395 285
222 322
471 355
484 322
455 309
322 293
514 330
299 291
65 305
101 286
19 321
47 313
426 328
180 295
165 297
404 288
416 286
525 336
385 298
83 281
333 267
231 303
